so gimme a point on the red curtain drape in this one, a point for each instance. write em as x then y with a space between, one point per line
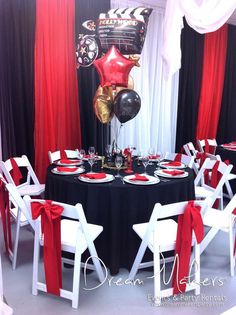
215 47
57 118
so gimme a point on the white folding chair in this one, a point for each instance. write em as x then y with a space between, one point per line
76 237
203 190
231 176
20 214
202 144
190 150
159 237
221 221
55 156
31 186
187 160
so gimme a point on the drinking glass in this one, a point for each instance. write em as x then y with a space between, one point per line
118 163
145 161
159 158
151 152
108 149
91 160
81 154
91 151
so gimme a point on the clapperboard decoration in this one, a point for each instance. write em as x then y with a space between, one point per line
124 28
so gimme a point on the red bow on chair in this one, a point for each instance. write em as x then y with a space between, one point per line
5 214
187 222
51 228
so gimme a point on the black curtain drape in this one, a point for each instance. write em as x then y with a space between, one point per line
192 44
227 127
93 132
17 28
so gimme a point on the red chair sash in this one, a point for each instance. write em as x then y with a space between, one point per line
209 148
15 172
63 154
187 222
5 214
51 228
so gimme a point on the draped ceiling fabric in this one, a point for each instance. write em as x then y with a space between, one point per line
215 46
155 124
93 132
17 28
189 85
227 126
197 15
57 120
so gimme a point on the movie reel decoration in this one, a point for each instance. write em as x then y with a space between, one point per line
87 50
116 33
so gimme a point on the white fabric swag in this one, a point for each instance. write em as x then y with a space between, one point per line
202 15
155 125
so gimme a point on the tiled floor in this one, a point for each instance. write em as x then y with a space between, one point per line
217 294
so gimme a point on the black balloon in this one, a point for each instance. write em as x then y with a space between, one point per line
127 104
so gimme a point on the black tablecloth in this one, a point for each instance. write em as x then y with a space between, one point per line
231 156
117 206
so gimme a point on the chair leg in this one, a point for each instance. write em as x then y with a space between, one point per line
138 259
229 190
35 265
197 267
16 240
208 238
76 280
231 252
157 275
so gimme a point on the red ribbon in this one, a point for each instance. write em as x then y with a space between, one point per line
15 172
5 214
51 228
187 222
178 157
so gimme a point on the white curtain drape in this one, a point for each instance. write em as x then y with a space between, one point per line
155 124
202 15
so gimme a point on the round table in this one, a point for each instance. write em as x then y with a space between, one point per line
117 206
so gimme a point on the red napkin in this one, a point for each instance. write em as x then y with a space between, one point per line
66 161
139 177
94 175
15 172
66 169
187 222
51 228
178 157
173 163
173 172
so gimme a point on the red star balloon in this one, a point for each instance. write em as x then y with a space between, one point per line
114 68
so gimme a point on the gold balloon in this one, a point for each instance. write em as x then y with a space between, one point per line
103 104
130 85
136 59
